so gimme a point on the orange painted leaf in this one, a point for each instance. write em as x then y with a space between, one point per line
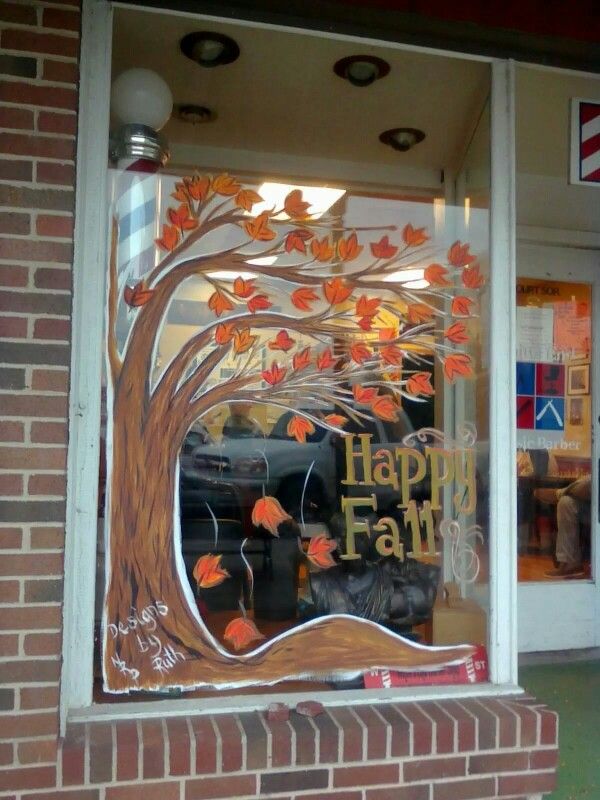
294 205
367 306
303 297
349 249
274 375
319 551
383 248
419 312
472 277
246 198
366 323
282 341
364 394
322 249
457 364
459 256
336 291
224 332
296 240
169 238
180 217
218 303
268 512
259 302
385 408
197 186
242 340
414 237
457 333
435 274
337 420
359 352
391 354
461 306
138 295
180 193
241 632
208 571
325 359
225 185
420 383
258 228
243 288
386 334
299 428
301 360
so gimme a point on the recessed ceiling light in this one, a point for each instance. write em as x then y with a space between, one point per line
361 70
402 138
196 115
209 49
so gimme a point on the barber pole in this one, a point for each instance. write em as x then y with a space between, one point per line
585 142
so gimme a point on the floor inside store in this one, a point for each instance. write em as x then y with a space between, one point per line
572 687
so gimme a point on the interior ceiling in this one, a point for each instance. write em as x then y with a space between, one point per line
282 96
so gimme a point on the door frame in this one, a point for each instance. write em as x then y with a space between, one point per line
576 601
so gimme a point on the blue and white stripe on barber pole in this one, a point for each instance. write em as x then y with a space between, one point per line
136 205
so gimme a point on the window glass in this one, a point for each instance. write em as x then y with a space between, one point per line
296 377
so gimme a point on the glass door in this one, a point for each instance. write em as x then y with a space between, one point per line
556 475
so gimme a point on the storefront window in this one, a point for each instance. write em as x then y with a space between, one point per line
296 402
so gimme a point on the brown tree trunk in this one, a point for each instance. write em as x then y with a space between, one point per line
153 638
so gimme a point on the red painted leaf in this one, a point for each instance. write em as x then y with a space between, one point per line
472 277
414 237
419 312
296 240
268 512
219 302
274 375
241 632
243 288
259 302
169 239
359 352
364 394
336 291
325 359
224 332
367 306
181 218
322 249
337 420
459 256
365 323
303 297
457 364
208 571
301 360
385 408
320 550
197 187
461 306
457 333
138 295
420 383
391 354
383 248
299 428
349 249
282 341
435 274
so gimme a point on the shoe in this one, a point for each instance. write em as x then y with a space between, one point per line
566 571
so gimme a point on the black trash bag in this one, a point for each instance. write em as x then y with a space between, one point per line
365 592
415 588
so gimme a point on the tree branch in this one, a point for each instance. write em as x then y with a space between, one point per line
113 296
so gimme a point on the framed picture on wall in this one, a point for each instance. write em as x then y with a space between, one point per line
578 379
575 411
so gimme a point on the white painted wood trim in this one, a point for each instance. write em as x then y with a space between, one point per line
89 277
558 237
503 479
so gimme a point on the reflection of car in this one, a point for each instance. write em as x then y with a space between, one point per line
278 465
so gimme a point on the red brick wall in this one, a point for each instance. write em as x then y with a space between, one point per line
430 751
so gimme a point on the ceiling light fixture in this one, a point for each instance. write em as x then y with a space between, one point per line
193 114
402 138
361 70
209 49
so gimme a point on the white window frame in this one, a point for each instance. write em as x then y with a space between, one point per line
90 253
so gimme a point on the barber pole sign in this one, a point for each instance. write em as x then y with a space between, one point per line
585 142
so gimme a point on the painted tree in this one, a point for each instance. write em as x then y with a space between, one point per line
365 332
